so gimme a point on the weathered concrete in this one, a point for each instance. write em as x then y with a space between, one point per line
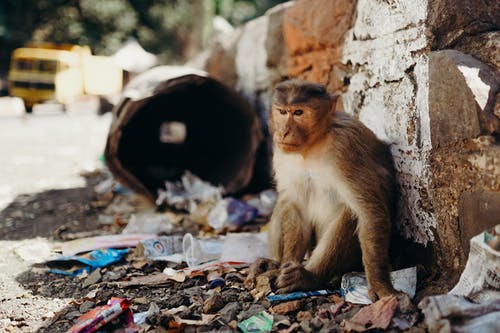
315 48
470 165
388 91
439 110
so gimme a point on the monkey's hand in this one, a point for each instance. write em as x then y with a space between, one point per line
294 277
261 266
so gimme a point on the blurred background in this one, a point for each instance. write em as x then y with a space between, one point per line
68 60
173 30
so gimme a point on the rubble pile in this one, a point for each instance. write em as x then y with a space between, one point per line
150 270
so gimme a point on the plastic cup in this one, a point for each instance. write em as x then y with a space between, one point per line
199 251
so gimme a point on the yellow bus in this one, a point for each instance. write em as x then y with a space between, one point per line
61 73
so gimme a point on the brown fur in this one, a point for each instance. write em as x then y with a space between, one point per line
336 193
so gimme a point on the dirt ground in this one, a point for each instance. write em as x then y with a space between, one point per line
44 154
61 215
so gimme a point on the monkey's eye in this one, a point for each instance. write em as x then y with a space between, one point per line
298 112
281 111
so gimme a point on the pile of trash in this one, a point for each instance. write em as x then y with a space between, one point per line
182 267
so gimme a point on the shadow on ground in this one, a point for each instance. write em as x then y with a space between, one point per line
49 213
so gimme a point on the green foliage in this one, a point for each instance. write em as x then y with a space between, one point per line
240 11
173 29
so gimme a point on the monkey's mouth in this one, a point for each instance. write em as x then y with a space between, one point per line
288 145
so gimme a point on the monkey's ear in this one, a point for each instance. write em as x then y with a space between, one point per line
333 102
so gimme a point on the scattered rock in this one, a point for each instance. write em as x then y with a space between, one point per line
93 278
287 307
304 315
229 311
252 311
245 296
176 300
213 304
72 315
86 306
230 295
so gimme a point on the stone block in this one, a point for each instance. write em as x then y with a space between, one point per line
477 211
275 44
317 24
452 105
314 46
484 47
451 20
251 57
221 61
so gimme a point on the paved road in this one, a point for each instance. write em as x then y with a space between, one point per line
49 148
45 150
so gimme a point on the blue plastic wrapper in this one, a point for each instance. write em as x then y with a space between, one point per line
219 282
300 294
75 265
231 212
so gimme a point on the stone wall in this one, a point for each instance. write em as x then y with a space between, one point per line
423 75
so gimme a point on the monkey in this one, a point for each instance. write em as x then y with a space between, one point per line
336 194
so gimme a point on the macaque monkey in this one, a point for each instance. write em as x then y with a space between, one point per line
336 193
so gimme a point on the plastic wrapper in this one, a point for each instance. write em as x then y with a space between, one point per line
164 248
480 280
492 237
102 315
265 202
107 241
451 313
187 193
355 286
231 212
140 318
148 223
244 247
299 295
75 265
260 323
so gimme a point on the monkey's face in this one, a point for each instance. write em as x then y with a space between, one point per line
299 115
296 127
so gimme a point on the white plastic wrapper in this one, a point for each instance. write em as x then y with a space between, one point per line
480 280
164 248
148 223
245 247
188 193
265 202
355 285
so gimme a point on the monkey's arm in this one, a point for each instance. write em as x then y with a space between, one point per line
289 236
288 241
338 249
337 252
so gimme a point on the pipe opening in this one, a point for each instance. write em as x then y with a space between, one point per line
189 123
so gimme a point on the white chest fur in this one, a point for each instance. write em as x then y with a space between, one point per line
313 185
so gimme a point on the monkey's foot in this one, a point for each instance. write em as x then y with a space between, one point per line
261 266
379 290
294 277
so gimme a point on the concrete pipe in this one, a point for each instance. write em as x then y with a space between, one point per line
172 119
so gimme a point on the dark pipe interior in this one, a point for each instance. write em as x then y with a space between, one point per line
218 136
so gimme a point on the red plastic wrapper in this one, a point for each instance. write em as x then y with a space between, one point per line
102 315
